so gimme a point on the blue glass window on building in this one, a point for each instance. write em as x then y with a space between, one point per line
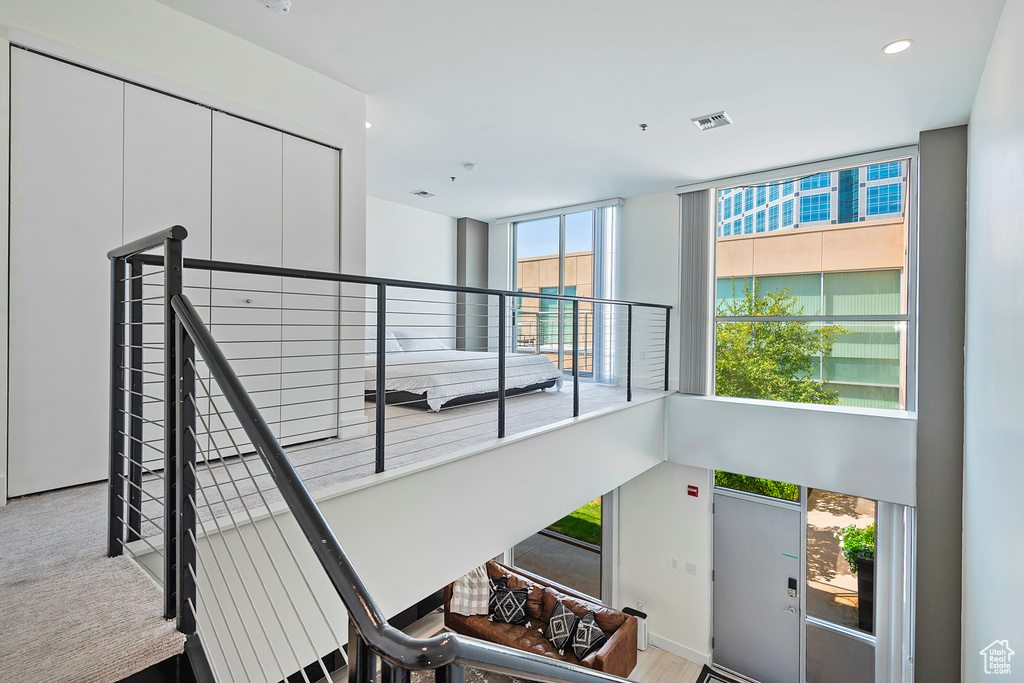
737 203
727 204
773 217
814 208
787 213
748 223
815 182
759 223
773 192
884 199
849 192
760 195
787 188
893 169
721 208
748 196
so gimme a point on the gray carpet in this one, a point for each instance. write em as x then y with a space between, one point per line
67 612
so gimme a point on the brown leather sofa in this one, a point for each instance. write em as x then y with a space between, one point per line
616 656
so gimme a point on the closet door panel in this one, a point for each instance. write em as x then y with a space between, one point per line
66 183
311 308
246 227
167 178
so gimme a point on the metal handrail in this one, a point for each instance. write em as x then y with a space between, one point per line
175 232
278 271
387 642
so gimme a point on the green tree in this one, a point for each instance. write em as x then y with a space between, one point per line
771 359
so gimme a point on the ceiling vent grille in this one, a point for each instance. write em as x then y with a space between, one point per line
712 121
423 193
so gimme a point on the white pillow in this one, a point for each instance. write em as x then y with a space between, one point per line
419 341
391 344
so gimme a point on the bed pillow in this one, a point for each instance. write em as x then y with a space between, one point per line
418 340
391 344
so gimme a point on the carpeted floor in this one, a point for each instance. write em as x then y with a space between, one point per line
68 612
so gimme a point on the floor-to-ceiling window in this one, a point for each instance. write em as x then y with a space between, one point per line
569 254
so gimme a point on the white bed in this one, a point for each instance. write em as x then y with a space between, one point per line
443 377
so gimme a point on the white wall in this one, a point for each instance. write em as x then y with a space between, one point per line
145 41
659 523
648 253
994 431
861 453
406 243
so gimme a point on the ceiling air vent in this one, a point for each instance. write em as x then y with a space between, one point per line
712 121
423 193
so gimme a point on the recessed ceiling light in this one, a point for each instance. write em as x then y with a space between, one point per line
369 125
897 46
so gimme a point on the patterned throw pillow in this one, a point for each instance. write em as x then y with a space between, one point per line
561 626
510 605
587 637
496 582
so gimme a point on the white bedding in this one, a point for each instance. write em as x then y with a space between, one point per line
444 375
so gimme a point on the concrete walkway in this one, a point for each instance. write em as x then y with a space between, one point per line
570 565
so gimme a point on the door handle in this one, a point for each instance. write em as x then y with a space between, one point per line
791 610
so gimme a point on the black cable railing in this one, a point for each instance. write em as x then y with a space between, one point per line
306 358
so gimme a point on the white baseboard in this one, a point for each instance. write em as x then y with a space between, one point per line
679 650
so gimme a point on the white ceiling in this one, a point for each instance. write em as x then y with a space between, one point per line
546 96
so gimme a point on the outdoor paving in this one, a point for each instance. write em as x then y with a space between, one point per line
570 565
831 586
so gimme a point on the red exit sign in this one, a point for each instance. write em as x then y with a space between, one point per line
691 490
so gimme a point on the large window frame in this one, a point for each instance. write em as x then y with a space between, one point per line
907 319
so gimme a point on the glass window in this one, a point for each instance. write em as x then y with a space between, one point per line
884 199
837 337
773 192
568 552
787 212
815 182
761 195
814 207
787 188
893 169
762 487
728 207
748 199
736 229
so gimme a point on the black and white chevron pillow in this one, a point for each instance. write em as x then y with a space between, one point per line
561 626
495 583
510 605
587 637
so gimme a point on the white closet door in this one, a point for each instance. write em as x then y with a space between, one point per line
246 227
66 181
312 240
167 178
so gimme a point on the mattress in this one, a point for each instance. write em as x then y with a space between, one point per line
442 376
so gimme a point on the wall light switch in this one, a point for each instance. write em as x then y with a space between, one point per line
691 568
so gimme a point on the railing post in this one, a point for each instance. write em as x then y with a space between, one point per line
381 372
115 520
172 287
668 329
575 358
362 663
629 352
390 673
185 448
135 378
502 334
450 673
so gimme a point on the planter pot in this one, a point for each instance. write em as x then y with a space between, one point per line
866 593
